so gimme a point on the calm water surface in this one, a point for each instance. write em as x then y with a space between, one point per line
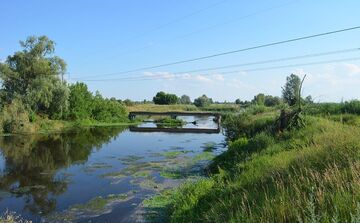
98 174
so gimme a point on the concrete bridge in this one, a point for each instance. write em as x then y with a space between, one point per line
172 114
217 119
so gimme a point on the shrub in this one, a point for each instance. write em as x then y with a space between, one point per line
106 110
203 101
162 98
245 125
15 118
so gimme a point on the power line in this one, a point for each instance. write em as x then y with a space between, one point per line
174 21
236 71
251 63
234 51
200 30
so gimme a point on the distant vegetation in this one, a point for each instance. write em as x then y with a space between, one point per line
162 98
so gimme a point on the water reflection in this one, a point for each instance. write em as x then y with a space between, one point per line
30 164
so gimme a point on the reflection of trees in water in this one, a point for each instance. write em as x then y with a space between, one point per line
31 163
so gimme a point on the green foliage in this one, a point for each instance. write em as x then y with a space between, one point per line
291 89
203 101
169 122
106 110
348 107
184 99
128 102
271 101
246 125
352 107
83 105
80 102
14 118
259 99
163 98
33 76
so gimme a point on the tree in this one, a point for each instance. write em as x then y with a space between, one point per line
309 100
80 102
203 101
33 76
162 98
259 99
272 101
291 90
238 101
185 99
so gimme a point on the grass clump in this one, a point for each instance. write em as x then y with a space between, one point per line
170 122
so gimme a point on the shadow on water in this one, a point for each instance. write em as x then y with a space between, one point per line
30 164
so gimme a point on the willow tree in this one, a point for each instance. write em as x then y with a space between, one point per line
34 75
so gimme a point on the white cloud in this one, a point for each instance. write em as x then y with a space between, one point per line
202 78
218 77
160 75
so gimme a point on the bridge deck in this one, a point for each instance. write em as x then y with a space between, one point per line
174 130
134 113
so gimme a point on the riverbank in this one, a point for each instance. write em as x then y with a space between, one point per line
304 174
43 125
46 126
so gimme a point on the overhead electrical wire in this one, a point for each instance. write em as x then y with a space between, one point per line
336 52
234 71
201 30
232 51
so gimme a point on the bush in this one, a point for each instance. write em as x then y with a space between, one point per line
244 125
203 101
106 110
15 118
162 98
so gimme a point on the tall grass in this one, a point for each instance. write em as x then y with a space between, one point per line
305 175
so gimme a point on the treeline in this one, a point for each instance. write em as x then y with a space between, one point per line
162 98
33 87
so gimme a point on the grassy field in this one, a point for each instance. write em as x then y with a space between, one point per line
308 174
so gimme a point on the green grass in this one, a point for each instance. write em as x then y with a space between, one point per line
310 174
170 122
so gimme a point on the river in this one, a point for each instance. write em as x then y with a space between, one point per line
99 174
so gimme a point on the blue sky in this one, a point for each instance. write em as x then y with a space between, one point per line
102 37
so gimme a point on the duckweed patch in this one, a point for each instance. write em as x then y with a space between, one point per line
156 207
204 156
130 159
174 154
95 166
209 146
94 207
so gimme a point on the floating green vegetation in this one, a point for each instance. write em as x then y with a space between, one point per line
94 207
204 156
169 122
95 166
156 208
209 146
171 174
173 154
130 159
115 175
142 173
